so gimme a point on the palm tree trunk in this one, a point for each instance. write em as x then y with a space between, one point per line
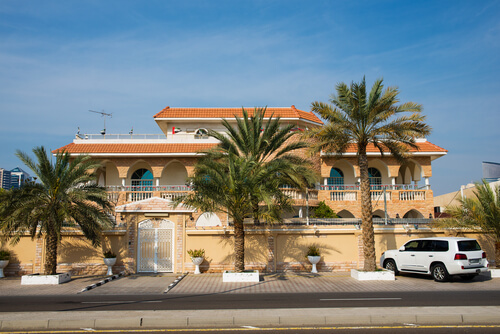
50 253
239 246
255 208
366 214
497 254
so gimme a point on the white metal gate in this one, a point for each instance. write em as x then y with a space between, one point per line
156 246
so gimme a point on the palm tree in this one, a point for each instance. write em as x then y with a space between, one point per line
66 191
248 167
483 211
355 118
266 142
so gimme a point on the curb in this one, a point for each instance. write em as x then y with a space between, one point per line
174 283
104 281
221 322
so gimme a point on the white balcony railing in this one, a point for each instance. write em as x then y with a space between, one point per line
372 187
343 196
412 195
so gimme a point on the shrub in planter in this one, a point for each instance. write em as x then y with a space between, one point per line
314 256
109 254
196 252
197 256
4 255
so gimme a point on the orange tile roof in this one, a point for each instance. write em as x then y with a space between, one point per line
158 148
133 148
422 147
291 112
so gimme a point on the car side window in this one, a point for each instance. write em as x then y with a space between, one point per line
411 246
440 246
426 245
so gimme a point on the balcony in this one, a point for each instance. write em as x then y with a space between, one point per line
401 192
122 194
125 194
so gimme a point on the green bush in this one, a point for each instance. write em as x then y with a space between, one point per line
4 255
196 252
109 254
323 211
313 251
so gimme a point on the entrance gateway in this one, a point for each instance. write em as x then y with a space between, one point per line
156 246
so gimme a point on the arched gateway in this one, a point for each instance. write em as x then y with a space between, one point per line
156 246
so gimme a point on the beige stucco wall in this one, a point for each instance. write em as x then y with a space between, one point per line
267 248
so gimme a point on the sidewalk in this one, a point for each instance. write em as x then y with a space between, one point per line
272 283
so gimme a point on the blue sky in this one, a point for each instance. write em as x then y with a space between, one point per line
58 59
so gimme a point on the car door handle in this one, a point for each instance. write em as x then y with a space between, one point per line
413 255
431 255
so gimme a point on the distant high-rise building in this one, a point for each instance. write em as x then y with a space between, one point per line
491 171
18 177
5 178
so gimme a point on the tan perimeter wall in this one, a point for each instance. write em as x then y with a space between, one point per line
273 249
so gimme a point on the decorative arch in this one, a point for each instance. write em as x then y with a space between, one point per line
138 165
174 174
410 171
208 219
413 214
378 214
345 214
111 174
382 167
341 173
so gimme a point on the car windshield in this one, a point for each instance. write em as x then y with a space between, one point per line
468 245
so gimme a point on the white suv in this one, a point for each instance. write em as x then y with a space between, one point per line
439 257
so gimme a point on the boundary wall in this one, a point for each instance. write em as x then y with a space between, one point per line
268 248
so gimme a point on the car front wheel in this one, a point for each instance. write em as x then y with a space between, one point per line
391 265
439 273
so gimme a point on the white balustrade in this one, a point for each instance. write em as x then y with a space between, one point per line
412 195
339 196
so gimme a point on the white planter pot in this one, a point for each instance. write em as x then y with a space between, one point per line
3 264
37 279
246 276
381 275
314 260
197 261
110 262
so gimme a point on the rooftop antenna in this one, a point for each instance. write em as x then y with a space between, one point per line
103 114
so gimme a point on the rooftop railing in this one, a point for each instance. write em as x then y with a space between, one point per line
171 138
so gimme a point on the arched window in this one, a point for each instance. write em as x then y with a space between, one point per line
336 178
375 178
201 134
142 180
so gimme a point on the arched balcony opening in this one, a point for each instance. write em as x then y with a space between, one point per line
378 214
413 214
141 185
141 180
173 181
409 174
345 214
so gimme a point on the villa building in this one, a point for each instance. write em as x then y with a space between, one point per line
145 173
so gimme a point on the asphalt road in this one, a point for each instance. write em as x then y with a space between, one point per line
89 302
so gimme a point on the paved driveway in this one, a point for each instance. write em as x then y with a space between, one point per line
270 283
